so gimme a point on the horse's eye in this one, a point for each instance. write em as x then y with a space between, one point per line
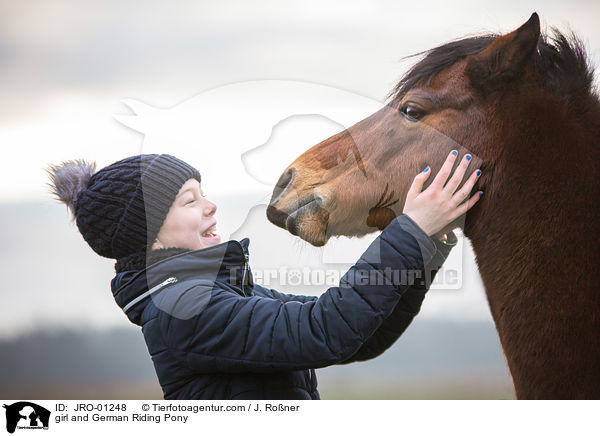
412 112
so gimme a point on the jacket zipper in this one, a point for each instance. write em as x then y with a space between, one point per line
149 292
244 272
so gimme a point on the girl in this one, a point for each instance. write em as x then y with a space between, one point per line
211 331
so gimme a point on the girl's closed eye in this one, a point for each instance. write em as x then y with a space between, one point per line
193 199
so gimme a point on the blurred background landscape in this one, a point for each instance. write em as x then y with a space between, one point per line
439 360
66 69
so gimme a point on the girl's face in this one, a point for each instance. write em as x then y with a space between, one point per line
190 222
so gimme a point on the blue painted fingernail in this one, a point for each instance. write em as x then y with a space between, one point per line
426 169
468 157
454 152
478 172
481 194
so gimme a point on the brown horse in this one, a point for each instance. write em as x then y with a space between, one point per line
524 105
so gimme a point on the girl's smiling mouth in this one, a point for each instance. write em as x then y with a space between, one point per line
211 233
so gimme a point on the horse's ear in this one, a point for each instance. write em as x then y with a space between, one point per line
505 58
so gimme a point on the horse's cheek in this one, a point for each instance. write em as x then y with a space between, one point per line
380 217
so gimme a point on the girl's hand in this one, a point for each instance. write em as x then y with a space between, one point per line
437 206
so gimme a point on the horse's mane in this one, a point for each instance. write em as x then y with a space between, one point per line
561 62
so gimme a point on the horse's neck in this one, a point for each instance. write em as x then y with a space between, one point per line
537 258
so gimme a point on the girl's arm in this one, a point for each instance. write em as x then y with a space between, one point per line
404 312
240 334
406 309
272 293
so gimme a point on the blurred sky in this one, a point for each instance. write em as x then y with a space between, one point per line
67 66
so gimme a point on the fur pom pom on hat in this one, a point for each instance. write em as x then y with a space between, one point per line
119 209
70 179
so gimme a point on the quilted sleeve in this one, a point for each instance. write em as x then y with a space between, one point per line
407 308
272 293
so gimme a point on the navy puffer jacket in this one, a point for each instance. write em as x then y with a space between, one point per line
215 334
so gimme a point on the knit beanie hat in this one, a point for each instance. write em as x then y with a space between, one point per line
120 209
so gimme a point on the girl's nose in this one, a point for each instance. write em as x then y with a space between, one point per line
212 208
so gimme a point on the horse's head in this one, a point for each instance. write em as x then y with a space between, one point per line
356 181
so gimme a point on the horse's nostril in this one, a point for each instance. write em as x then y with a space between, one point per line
284 182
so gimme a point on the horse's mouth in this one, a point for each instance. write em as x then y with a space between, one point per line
308 221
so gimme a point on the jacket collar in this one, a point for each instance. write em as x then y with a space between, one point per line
139 261
226 262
